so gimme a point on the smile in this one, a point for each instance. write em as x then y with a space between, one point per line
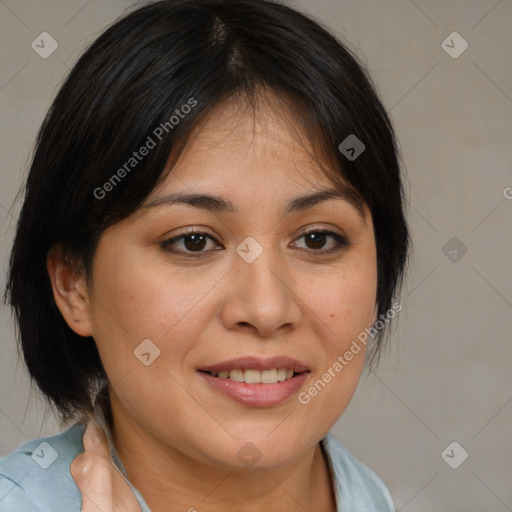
255 376
256 382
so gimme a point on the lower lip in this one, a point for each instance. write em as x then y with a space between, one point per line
257 395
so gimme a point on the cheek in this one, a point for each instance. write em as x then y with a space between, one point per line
139 298
342 315
145 296
345 311
343 301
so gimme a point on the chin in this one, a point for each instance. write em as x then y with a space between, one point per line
261 451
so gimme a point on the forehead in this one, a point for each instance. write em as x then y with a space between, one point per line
240 145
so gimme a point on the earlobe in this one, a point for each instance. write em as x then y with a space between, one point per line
69 291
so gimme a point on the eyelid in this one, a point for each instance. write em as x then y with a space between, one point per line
341 240
327 229
188 231
192 230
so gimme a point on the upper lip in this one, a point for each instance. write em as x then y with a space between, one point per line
250 362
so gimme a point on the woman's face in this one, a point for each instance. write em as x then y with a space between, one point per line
248 291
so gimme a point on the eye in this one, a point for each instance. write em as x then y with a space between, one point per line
194 243
317 239
189 243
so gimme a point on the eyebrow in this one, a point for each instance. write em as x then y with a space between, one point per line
219 204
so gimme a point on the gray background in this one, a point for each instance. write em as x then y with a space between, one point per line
447 375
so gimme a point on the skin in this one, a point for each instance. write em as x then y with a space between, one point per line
177 437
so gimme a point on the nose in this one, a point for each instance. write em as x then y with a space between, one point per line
262 296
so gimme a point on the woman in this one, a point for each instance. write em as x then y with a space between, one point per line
210 244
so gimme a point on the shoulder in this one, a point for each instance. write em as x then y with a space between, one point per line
357 486
36 477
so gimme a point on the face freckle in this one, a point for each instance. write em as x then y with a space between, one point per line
204 310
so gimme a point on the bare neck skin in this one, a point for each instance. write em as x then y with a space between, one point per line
170 480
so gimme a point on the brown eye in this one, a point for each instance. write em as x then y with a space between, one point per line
187 243
194 242
316 240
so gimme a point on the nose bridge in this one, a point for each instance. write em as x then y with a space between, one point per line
266 281
264 295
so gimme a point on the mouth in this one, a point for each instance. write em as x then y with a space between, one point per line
255 376
256 382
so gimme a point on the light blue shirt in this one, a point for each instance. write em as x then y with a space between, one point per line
36 476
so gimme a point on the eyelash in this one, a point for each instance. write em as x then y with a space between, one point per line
341 243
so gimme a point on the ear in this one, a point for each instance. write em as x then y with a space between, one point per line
69 290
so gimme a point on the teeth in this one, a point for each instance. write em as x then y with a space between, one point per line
253 376
269 376
236 375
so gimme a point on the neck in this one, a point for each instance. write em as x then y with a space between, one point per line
171 480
